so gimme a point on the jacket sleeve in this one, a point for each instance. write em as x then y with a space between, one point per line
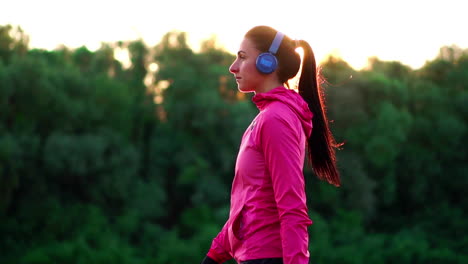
219 247
283 144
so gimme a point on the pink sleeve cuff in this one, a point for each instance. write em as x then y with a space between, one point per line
217 257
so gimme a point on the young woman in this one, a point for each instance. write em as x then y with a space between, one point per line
268 218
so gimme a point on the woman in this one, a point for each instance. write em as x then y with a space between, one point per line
268 217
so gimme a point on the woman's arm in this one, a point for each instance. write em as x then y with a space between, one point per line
282 138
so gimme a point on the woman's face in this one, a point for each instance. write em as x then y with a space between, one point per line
248 78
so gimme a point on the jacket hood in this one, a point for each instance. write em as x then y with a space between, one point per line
292 99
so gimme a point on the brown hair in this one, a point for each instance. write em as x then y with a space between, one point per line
321 143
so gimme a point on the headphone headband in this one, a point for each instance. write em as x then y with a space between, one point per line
276 43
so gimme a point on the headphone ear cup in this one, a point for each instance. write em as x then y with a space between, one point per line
266 63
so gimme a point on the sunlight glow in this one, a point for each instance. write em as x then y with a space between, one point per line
123 57
293 83
397 30
153 67
158 90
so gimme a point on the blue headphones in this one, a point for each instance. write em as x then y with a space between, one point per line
266 62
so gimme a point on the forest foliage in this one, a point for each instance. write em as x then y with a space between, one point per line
103 162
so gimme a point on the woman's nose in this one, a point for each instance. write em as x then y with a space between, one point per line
234 67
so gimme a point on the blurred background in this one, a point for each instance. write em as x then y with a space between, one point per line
120 125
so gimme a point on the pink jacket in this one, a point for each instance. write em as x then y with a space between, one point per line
268 216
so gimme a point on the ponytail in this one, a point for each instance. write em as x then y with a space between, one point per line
321 144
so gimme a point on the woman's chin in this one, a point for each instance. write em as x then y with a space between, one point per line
245 89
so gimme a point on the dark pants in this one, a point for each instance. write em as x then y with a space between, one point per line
264 261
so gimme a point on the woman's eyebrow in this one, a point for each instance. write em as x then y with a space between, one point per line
241 52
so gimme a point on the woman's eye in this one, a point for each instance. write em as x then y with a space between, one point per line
241 55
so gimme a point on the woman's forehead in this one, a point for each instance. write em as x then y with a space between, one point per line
247 46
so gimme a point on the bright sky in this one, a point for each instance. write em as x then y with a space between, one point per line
410 31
